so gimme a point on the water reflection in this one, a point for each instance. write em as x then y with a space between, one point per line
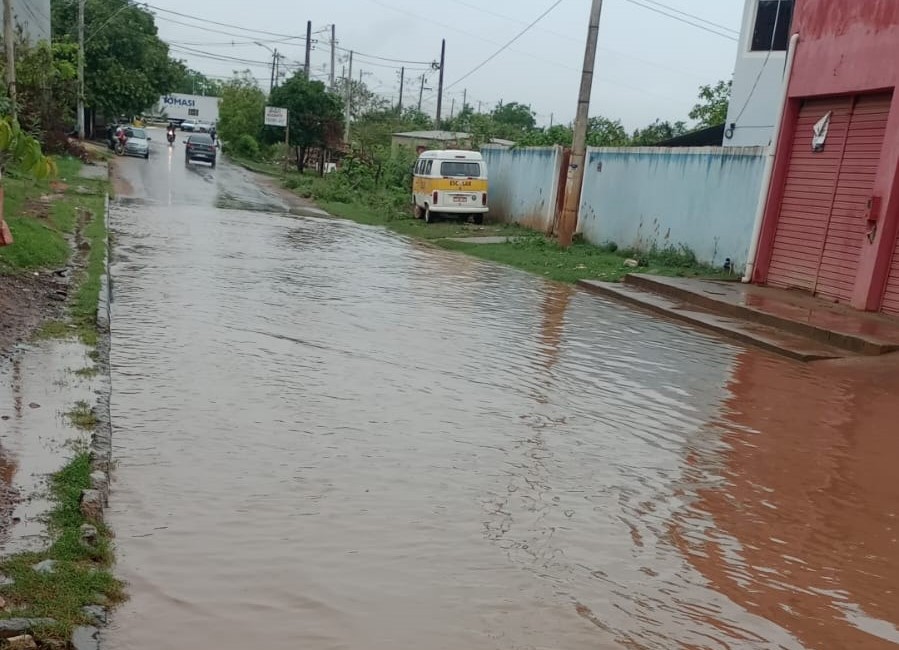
802 508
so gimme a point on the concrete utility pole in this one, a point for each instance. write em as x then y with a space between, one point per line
421 91
571 206
271 85
333 53
79 104
453 108
440 84
10 44
308 48
349 100
464 98
399 108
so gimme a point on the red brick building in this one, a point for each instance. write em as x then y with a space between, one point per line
832 215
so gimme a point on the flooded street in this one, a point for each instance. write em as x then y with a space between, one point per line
331 437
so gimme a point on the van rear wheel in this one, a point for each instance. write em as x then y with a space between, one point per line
429 216
417 211
478 219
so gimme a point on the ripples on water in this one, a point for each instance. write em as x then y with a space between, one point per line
331 437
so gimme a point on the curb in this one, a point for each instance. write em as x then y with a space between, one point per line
95 500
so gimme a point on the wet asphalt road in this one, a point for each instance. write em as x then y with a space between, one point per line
332 437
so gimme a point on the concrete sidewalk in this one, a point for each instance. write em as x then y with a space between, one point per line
786 322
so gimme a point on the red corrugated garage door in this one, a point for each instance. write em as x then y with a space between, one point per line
891 297
821 228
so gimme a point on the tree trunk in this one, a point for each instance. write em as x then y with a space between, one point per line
321 162
296 153
302 161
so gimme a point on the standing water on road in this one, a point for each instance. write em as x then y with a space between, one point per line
332 437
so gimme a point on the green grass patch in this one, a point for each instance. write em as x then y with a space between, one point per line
83 416
87 296
53 329
88 372
81 575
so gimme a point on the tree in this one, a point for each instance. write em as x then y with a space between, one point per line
127 65
713 103
241 110
512 120
657 132
191 82
603 132
362 100
315 114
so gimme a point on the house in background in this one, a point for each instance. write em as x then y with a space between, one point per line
419 141
33 18
831 215
758 73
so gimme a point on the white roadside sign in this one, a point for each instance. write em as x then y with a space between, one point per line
275 116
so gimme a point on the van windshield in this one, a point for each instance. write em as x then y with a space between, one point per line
460 169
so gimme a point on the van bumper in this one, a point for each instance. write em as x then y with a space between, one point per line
456 209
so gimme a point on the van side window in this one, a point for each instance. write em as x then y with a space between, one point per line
428 168
417 168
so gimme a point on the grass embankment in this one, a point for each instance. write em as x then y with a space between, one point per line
525 249
81 573
44 217
52 221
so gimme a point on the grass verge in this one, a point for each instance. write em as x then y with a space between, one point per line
81 575
525 249
44 216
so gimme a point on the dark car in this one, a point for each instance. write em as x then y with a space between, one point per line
199 147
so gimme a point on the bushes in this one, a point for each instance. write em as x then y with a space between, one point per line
246 147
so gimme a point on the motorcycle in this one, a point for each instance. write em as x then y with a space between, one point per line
171 138
120 146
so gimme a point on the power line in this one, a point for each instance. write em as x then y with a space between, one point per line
683 20
506 46
724 28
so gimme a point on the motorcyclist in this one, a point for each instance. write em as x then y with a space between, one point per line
170 132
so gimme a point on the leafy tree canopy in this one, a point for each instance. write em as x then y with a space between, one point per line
127 65
713 103
315 114
242 108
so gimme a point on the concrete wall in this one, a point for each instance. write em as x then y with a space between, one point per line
523 184
33 17
701 197
758 83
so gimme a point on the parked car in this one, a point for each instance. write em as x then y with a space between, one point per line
137 143
202 127
188 125
199 147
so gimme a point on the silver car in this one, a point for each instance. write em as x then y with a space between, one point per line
138 142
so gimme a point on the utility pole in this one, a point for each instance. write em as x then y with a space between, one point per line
79 104
308 48
479 107
421 91
551 119
333 53
271 85
10 44
464 98
573 186
349 100
440 84
402 85
453 108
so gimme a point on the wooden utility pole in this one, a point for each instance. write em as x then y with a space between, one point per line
440 84
333 53
308 48
402 85
9 41
349 100
79 104
575 181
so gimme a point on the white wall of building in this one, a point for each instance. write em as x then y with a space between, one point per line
758 80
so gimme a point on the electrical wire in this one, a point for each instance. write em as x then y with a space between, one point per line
684 20
506 45
719 26
758 77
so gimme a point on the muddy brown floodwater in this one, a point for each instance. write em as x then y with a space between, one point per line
330 437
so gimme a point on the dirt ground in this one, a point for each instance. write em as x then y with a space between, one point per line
25 302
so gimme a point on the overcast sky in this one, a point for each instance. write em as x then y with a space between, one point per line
649 65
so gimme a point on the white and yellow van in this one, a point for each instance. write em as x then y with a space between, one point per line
451 183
